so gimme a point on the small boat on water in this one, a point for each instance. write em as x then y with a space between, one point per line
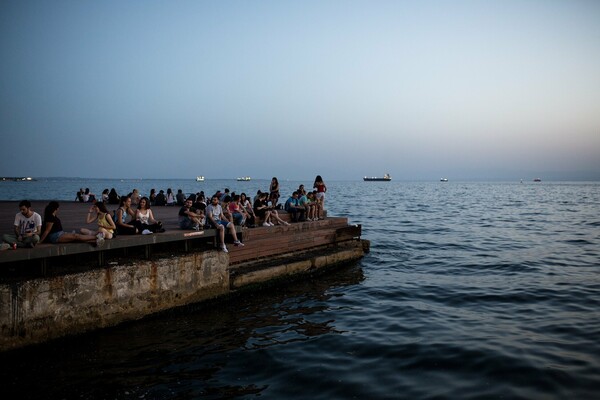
537 180
443 179
200 178
244 178
386 178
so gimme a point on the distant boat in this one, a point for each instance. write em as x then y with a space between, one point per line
443 179
386 178
200 178
17 179
537 180
244 178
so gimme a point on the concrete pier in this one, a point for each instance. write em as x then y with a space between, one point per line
57 290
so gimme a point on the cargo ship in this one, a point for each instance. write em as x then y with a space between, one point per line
386 178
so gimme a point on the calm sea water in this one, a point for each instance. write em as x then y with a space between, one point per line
471 290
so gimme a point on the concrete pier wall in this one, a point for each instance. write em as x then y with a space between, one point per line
34 311
37 310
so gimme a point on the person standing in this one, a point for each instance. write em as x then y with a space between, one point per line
27 227
274 192
321 189
214 215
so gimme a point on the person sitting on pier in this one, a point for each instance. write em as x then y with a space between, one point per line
121 213
144 219
262 209
106 226
161 199
294 209
170 197
27 227
180 197
79 195
52 230
215 217
113 197
88 197
199 203
152 197
247 206
189 217
311 207
135 197
225 202
105 196
238 214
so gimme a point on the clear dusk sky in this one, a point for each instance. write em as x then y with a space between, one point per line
420 89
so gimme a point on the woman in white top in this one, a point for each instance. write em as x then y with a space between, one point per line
144 218
170 197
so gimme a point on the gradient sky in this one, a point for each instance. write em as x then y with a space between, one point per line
419 89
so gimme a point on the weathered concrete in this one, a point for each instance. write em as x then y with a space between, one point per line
36 310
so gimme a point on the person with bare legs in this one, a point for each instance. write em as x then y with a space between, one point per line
215 217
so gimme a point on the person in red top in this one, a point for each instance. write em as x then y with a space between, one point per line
321 189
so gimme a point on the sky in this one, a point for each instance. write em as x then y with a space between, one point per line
481 90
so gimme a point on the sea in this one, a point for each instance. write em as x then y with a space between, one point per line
471 290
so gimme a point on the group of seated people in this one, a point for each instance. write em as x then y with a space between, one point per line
30 229
224 211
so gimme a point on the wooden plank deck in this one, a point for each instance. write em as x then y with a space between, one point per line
259 242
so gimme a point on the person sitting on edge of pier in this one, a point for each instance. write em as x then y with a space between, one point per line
144 219
189 217
311 207
106 226
121 213
27 227
52 230
304 202
238 214
294 209
214 216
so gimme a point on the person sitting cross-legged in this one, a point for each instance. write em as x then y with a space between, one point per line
27 227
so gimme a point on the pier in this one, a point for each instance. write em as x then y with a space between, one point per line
54 290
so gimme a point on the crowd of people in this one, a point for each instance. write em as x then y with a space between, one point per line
134 214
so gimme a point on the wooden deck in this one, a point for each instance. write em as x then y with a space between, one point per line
260 242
